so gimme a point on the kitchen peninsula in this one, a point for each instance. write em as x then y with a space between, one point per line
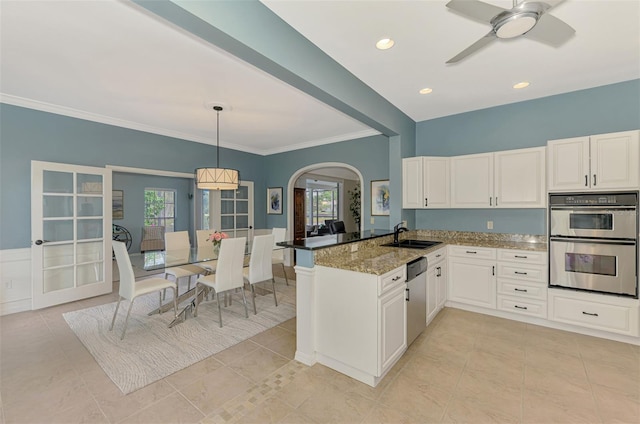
351 309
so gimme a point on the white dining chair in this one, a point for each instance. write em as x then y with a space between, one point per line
178 241
130 288
228 275
205 249
277 256
260 267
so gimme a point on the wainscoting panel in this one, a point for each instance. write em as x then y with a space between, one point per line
15 281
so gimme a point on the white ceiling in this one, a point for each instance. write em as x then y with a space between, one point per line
111 62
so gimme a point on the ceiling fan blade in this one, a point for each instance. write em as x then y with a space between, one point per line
476 9
551 30
474 47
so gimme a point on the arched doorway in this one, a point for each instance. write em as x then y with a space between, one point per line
326 168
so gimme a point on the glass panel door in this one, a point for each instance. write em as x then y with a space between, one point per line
71 210
230 211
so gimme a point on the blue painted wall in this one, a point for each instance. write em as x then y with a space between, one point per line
598 110
370 155
27 134
134 186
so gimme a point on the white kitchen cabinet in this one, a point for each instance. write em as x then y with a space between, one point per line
507 179
425 182
472 281
520 178
436 283
472 181
361 327
597 162
522 282
609 313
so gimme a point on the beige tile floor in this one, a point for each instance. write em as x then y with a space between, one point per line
466 367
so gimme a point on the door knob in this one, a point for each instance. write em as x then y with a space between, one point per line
39 242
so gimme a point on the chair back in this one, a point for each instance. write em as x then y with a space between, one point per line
279 234
127 278
230 263
152 238
177 240
260 268
337 227
202 236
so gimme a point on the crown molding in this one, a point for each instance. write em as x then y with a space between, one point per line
122 123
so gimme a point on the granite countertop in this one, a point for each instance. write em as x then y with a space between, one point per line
372 258
331 240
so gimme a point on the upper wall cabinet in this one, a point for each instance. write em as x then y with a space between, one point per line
425 183
598 162
508 179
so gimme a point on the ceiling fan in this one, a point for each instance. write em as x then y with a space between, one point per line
529 18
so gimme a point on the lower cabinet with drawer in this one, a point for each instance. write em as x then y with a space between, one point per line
361 321
601 312
436 282
472 280
522 282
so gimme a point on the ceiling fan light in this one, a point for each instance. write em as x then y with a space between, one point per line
516 25
385 43
523 84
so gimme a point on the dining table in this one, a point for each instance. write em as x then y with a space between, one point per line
200 258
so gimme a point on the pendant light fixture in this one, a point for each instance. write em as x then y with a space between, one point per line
217 178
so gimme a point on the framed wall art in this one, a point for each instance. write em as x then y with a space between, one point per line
117 200
274 201
380 197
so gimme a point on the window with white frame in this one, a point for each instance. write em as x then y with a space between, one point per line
160 208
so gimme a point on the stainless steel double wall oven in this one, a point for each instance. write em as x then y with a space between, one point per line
593 242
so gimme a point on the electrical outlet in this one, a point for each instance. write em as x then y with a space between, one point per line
354 247
404 224
489 225
373 220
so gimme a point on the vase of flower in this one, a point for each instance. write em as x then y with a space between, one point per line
216 238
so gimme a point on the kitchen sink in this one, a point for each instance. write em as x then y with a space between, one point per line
414 244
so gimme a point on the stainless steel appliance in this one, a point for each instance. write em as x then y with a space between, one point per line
416 298
593 242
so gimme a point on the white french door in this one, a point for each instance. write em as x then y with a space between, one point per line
230 211
70 232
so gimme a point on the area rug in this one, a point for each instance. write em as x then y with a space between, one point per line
151 351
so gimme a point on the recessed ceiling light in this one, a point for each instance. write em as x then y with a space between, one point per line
522 84
385 43
426 91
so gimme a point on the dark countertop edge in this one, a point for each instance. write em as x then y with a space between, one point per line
331 240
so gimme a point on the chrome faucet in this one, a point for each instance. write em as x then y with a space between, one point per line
397 229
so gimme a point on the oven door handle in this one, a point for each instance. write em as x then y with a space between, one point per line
593 241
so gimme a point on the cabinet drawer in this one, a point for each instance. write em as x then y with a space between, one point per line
520 289
472 252
437 256
391 279
522 256
522 272
522 306
593 314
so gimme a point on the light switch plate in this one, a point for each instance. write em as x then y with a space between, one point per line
373 220
489 225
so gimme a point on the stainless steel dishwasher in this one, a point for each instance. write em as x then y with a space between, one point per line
416 297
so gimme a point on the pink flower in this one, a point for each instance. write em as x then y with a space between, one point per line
216 237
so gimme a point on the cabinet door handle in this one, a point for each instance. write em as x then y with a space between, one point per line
407 298
493 270
396 278
520 307
519 273
496 200
490 200
439 274
521 290
426 202
594 180
471 251
438 255
589 313
586 181
520 256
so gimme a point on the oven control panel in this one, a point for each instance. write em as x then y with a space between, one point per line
600 199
